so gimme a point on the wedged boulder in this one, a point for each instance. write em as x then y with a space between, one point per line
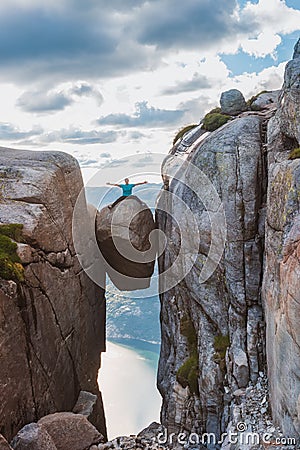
124 237
32 437
70 431
232 102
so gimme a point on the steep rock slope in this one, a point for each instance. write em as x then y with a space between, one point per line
282 272
52 322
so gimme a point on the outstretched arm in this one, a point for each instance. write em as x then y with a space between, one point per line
113 184
143 182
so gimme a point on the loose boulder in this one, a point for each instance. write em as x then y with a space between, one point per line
32 437
123 234
70 431
265 99
232 102
85 404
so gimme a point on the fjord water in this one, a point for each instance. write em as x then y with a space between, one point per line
127 378
131 400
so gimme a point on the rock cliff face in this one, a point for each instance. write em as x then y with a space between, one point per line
213 332
282 272
226 310
52 321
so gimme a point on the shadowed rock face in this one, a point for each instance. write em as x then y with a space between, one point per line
4 445
281 291
52 323
123 234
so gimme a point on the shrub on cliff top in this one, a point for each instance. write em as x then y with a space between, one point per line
295 154
214 120
182 132
10 263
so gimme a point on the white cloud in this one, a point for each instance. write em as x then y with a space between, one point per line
272 15
132 72
42 101
268 79
264 22
264 44
270 19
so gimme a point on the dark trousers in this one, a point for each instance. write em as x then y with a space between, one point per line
118 201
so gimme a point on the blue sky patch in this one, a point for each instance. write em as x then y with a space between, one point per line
242 62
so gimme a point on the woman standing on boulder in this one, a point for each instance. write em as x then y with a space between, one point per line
126 190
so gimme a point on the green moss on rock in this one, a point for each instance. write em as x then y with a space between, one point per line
221 343
295 153
12 230
10 263
215 110
214 120
187 329
188 372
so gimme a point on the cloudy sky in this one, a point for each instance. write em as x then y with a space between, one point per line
104 79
